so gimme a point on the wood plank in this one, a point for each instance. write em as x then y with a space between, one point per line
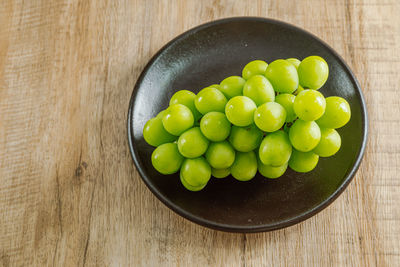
69 192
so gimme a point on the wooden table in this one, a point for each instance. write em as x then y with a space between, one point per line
69 192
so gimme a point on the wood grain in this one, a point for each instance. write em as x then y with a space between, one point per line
69 192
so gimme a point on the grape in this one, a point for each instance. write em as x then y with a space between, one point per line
313 72
210 99
190 187
271 172
275 149
259 89
245 139
283 76
192 143
220 173
245 166
166 158
286 127
304 135
254 67
270 116
337 113
196 172
232 86
161 114
294 61
299 89
286 101
155 134
177 119
186 98
329 144
216 86
303 161
215 126
240 110
309 105
220 155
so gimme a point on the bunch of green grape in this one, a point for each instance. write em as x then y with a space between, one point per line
271 117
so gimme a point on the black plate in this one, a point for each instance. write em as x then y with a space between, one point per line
209 53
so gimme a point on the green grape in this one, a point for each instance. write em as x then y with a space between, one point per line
177 119
232 86
155 134
216 86
271 172
220 173
240 110
190 187
313 72
275 149
303 161
245 139
220 155
283 76
304 135
192 143
166 158
186 98
161 114
329 144
215 126
210 99
245 166
309 105
286 127
254 67
196 172
270 116
286 101
299 90
294 61
337 113
259 89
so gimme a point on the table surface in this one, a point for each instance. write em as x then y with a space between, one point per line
69 192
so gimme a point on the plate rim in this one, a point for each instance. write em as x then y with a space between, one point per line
249 228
